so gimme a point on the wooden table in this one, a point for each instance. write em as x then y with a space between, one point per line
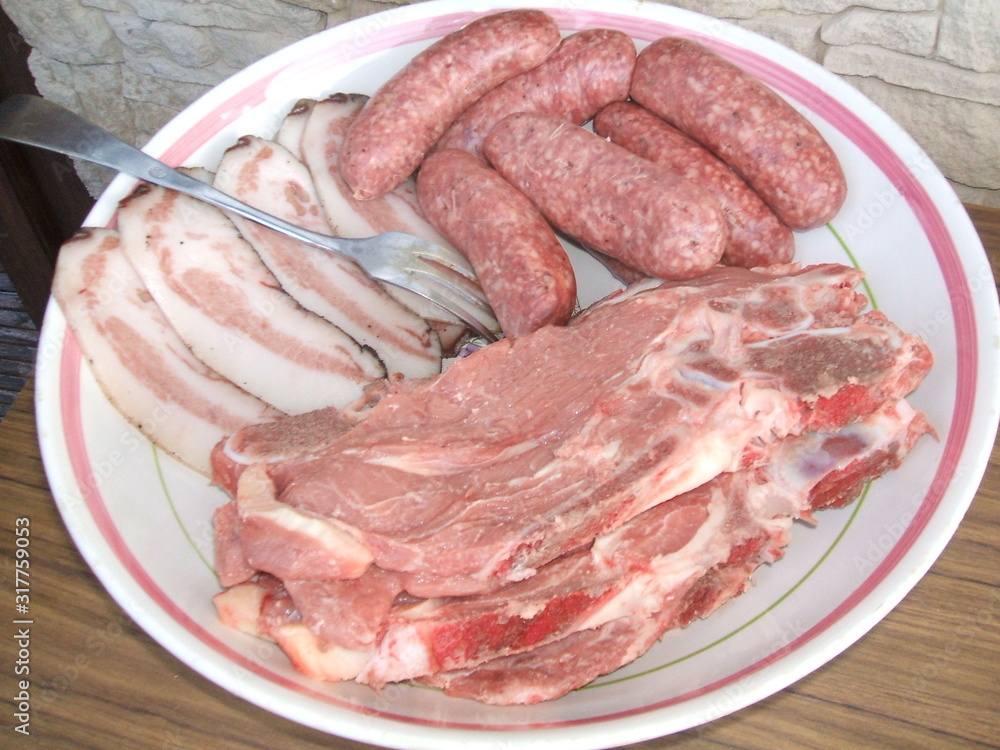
926 676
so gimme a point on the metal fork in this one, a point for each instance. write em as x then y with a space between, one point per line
438 274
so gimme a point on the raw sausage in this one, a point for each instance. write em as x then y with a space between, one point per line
746 124
412 110
630 208
525 272
589 69
756 236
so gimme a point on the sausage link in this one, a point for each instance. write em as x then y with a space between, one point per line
412 110
746 124
630 208
525 272
756 236
589 69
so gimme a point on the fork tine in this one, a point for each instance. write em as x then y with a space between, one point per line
448 298
469 289
470 305
443 256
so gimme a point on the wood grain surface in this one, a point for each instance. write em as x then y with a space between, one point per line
927 676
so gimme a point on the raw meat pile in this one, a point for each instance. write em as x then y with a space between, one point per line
544 509
541 512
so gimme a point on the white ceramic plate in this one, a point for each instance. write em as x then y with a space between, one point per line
142 521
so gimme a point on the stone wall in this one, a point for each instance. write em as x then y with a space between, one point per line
130 65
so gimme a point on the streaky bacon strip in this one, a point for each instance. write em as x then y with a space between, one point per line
290 131
141 364
230 310
266 175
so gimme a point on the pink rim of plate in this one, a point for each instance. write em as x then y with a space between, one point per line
644 29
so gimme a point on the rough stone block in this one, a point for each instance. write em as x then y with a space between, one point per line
358 8
190 46
730 9
956 134
149 118
797 32
161 66
912 33
836 6
133 34
323 6
101 99
914 72
253 15
65 31
970 34
109 5
173 95
241 48
54 80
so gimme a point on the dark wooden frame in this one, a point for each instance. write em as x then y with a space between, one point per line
42 200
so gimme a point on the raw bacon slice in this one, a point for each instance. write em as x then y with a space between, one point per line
651 561
752 513
138 359
320 143
292 126
231 312
266 175
398 209
525 451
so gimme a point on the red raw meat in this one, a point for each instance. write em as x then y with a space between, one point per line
351 613
295 435
806 474
231 565
591 611
527 450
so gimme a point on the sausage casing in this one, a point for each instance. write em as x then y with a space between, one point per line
756 236
412 110
603 195
588 70
746 124
524 270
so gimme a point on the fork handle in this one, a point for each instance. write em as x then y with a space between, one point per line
34 121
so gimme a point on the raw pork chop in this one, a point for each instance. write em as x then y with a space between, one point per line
591 611
525 451
650 562
294 436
